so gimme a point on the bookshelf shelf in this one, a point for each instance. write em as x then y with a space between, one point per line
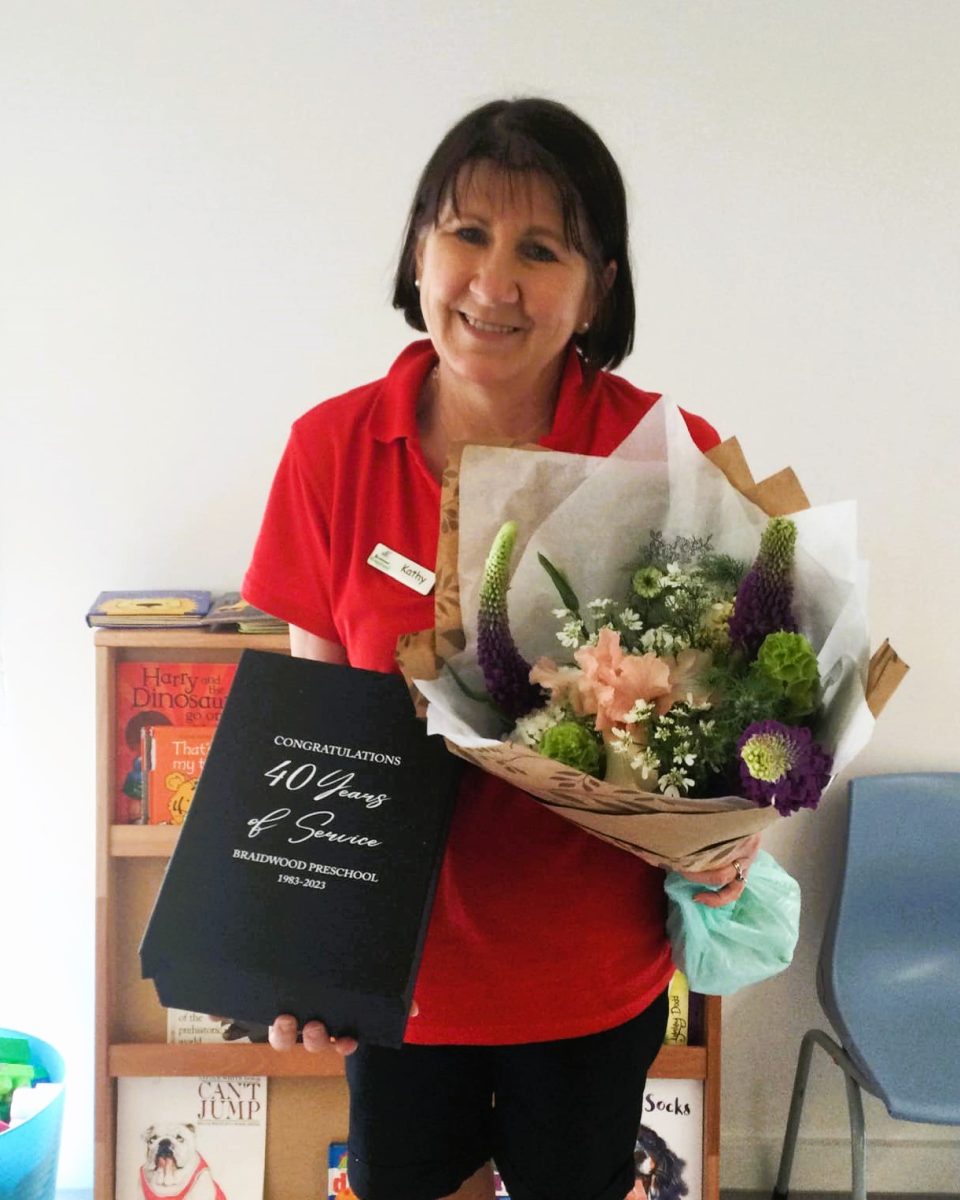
161 1059
143 841
131 1024
145 1058
137 643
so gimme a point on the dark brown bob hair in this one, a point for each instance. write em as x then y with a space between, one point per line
536 135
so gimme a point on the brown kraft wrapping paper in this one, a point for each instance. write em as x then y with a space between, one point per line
675 833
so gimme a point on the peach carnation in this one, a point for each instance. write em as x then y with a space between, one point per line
612 681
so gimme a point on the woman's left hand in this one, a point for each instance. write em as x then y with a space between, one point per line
731 877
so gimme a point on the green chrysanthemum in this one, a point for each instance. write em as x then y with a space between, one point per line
572 745
646 582
788 659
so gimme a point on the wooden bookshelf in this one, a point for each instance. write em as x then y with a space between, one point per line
305 1090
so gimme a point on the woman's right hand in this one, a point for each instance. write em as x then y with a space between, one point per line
283 1036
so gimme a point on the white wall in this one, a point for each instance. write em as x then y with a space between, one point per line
199 212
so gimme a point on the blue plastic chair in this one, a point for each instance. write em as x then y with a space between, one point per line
889 971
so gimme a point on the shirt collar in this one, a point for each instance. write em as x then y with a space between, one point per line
395 409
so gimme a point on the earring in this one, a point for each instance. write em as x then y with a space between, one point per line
416 284
584 327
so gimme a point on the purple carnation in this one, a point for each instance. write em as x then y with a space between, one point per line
782 765
763 603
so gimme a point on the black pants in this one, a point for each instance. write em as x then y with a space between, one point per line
559 1118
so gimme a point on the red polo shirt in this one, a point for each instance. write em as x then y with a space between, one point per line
539 930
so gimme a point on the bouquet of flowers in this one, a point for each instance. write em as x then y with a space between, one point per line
719 672
696 682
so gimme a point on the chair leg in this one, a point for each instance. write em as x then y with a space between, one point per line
857 1140
816 1037
782 1187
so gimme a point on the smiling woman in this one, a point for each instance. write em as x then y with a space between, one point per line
544 971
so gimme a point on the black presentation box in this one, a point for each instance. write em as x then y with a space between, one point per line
304 873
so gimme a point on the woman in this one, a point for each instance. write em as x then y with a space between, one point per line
545 967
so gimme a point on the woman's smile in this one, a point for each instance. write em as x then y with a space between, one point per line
479 326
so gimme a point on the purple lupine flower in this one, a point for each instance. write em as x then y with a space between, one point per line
764 598
506 672
782 765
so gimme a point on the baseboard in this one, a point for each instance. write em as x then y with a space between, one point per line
911 1167
727 1194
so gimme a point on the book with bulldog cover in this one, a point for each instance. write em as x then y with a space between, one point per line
304 872
191 1136
669 1150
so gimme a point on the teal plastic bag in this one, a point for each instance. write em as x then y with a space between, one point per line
721 950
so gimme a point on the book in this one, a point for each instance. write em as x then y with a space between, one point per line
322 810
230 610
669 1151
678 1016
338 1186
165 608
190 695
191 1135
192 1028
172 758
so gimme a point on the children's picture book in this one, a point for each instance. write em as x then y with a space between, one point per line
230 610
678 1014
167 608
191 1136
172 757
669 1149
191 1028
189 695
338 1186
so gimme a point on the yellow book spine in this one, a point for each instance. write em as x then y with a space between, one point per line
678 1018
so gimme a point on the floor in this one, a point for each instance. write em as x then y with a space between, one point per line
86 1194
736 1195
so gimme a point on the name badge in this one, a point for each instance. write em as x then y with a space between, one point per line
403 570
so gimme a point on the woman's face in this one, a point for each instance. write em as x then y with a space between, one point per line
500 290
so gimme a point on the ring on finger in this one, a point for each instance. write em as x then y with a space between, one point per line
741 876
